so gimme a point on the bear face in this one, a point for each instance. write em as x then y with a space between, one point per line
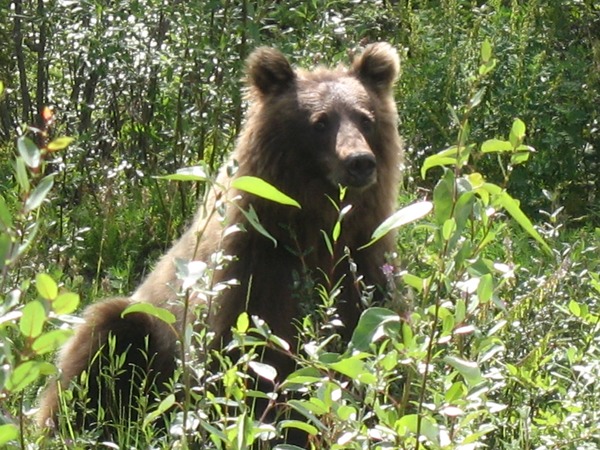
313 131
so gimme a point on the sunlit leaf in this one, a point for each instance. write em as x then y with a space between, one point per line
21 175
252 218
263 370
189 272
195 173
448 228
496 146
486 51
374 323
512 207
261 188
46 286
166 404
59 143
8 431
5 215
33 319
517 133
306 427
29 152
50 341
575 308
142 307
436 161
468 369
456 391
243 322
443 198
476 99
23 375
406 215
485 288
39 193
416 282
65 303
519 158
5 248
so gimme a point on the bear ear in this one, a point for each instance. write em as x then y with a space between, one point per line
269 71
377 66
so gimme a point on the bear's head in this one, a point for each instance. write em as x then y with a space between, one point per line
308 132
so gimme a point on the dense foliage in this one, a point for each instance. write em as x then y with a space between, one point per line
495 339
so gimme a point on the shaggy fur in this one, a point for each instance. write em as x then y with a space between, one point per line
306 132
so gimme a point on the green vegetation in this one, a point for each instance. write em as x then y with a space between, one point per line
494 336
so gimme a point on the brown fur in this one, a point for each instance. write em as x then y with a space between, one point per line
306 132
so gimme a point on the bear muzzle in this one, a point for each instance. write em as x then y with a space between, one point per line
360 170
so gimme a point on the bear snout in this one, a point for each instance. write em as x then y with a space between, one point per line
360 170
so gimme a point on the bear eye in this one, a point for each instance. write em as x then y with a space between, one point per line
366 122
321 123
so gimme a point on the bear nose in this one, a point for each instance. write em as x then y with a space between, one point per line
361 169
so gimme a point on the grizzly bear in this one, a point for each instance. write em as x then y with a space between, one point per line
309 134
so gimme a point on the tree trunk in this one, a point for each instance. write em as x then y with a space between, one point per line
26 116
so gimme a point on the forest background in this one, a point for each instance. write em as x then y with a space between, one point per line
147 87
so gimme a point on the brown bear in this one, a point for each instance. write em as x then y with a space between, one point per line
307 133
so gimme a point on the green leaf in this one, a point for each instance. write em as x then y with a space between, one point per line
65 303
456 391
517 133
477 98
374 323
450 156
351 367
486 51
575 308
23 375
21 175
50 341
346 412
46 286
485 288
263 370
416 282
448 228
5 248
261 188
8 432
443 200
195 173
142 307
337 230
436 161
252 218
519 158
406 215
512 207
5 215
243 322
33 319
59 143
496 146
306 427
166 404
29 152
468 369
39 193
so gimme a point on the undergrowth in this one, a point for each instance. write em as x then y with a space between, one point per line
491 339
